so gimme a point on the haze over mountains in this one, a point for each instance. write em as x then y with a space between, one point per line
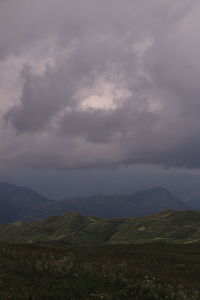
113 206
22 203
148 216
195 203
16 201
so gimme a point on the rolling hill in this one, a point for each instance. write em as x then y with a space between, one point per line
169 227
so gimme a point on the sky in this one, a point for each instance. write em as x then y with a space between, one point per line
100 96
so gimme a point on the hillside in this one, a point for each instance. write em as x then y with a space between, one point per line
16 201
112 206
169 226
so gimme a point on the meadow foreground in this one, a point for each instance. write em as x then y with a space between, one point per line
150 271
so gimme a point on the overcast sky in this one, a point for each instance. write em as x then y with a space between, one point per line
100 95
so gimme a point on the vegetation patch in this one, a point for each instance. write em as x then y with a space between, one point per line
151 271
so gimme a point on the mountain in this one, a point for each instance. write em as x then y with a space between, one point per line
195 203
16 201
156 200
169 226
22 203
112 206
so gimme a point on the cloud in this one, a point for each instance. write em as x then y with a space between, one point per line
100 83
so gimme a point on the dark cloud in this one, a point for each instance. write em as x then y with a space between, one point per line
100 83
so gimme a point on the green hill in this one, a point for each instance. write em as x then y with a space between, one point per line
169 227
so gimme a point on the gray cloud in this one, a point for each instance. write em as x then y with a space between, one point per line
102 83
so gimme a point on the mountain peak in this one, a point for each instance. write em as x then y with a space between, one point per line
159 189
155 192
22 203
16 201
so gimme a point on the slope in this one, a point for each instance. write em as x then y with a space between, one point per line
169 227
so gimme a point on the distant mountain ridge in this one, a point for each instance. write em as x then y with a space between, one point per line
69 229
16 201
22 203
195 203
113 206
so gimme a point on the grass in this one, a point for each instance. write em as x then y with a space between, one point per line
150 271
168 227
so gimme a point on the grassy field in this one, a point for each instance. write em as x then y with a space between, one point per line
150 271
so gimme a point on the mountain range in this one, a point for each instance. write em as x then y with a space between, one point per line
16 201
22 203
195 203
112 206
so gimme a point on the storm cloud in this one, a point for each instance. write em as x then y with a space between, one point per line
99 83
